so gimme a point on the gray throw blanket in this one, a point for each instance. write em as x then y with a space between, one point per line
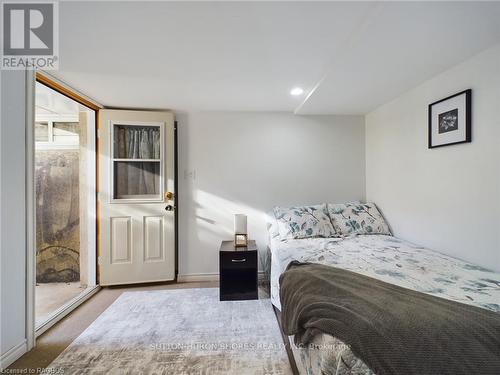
392 329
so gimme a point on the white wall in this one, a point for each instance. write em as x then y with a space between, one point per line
249 162
12 220
446 198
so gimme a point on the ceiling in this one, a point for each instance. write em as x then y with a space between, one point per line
350 57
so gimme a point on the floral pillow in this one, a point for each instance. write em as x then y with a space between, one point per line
358 218
304 222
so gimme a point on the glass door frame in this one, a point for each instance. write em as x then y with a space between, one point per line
32 77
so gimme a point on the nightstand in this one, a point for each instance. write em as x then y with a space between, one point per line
238 271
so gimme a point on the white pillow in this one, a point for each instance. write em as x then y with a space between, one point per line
304 222
272 225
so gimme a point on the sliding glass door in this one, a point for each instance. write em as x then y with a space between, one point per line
64 202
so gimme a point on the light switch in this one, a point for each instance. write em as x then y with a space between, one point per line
189 174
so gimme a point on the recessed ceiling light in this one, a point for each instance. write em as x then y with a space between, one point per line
296 91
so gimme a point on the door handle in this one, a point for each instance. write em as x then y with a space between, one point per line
169 208
168 195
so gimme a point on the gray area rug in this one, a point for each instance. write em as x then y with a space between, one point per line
181 331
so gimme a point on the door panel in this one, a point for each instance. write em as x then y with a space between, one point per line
153 238
136 167
121 238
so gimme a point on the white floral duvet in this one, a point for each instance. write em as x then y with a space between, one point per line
391 260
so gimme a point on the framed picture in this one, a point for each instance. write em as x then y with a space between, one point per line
450 120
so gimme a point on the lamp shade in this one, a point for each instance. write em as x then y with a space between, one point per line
240 224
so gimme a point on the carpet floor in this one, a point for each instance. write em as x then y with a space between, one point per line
182 331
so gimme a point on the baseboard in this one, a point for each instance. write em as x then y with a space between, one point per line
199 277
196 277
13 355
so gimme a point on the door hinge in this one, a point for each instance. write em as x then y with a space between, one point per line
99 260
98 133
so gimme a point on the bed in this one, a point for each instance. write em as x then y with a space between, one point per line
386 258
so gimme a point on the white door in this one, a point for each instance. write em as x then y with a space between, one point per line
136 181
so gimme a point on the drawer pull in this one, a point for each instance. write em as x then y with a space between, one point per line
238 260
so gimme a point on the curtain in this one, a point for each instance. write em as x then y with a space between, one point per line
134 142
136 177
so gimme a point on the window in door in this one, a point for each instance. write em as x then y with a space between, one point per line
137 162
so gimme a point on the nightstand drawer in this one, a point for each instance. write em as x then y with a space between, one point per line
238 259
238 272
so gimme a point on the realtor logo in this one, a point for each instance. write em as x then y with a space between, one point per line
29 37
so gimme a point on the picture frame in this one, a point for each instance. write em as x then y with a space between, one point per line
450 120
